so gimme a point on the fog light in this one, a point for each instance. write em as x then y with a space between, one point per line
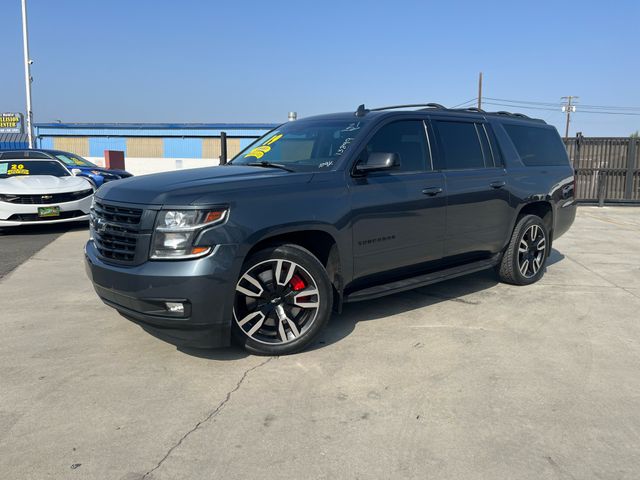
174 307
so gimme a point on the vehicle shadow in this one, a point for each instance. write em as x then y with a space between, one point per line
554 257
233 352
341 325
44 229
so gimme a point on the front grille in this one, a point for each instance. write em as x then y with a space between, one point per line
115 231
47 199
33 217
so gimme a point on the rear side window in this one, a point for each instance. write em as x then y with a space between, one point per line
460 145
537 146
407 139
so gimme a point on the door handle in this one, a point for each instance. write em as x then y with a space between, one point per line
498 184
432 191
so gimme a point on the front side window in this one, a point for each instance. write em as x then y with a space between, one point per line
303 145
21 168
537 146
460 145
407 139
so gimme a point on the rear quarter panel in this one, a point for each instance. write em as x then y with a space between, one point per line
528 184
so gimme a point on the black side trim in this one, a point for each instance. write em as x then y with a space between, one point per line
421 280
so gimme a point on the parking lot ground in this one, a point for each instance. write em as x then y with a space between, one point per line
18 244
466 379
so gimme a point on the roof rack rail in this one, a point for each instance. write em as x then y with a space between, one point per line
511 114
470 109
362 111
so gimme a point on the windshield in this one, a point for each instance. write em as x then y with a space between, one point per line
303 145
21 168
74 160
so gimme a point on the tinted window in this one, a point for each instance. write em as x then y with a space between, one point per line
460 145
23 154
537 146
21 168
407 139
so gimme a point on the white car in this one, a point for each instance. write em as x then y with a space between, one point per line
35 191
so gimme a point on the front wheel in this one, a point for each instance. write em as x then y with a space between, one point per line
282 300
523 261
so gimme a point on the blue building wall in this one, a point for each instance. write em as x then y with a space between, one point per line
97 145
183 147
178 140
245 142
45 142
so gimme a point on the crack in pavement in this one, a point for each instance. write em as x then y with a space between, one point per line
209 416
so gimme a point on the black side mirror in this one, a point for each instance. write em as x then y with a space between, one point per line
378 161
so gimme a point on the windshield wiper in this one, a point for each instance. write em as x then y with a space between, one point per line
270 165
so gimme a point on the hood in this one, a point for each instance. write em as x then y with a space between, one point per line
184 187
37 184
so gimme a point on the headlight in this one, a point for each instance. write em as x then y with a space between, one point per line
8 198
177 230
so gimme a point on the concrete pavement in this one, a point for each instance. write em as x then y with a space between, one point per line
18 244
465 379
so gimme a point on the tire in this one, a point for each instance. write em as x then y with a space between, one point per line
271 313
520 266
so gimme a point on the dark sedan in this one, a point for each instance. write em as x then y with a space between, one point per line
78 166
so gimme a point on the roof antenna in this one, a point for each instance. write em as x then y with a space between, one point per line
361 111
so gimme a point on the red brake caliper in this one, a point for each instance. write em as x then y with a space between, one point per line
297 283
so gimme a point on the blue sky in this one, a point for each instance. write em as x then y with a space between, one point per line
240 61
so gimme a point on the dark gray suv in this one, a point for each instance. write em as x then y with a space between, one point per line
326 210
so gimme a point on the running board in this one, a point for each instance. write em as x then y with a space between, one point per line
421 280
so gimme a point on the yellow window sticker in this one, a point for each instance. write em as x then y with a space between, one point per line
259 152
17 169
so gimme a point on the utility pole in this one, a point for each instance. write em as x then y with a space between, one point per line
480 91
27 72
568 107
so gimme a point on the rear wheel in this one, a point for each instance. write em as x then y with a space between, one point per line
525 257
282 300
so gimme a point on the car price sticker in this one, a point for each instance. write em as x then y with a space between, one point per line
17 169
259 152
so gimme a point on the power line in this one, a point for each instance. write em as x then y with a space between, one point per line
611 107
579 110
473 100
608 113
589 107
549 104
526 107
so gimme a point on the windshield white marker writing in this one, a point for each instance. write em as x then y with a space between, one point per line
344 146
352 127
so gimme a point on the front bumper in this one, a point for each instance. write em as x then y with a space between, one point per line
206 287
15 214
